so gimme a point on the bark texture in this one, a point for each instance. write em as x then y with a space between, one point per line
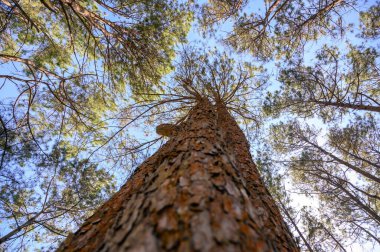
200 192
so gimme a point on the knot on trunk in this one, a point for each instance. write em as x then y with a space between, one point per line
167 129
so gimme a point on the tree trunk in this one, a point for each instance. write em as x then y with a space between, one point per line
201 191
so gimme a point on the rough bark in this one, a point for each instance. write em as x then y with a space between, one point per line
200 192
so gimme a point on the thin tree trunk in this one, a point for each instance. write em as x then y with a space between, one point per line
353 167
18 229
348 105
283 207
333 237
367 232
199 192
362 205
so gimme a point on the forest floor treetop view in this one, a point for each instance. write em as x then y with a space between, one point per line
177 125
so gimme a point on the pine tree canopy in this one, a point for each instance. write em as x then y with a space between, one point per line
91 89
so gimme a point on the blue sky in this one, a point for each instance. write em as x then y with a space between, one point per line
194 37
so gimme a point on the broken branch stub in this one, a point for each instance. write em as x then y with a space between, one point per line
167 129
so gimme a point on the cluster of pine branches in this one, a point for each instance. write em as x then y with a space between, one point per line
84 83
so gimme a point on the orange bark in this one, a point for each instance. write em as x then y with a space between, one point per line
200 192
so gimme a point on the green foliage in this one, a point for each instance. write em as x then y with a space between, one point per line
370 22
71 67
331 87
54 194
280 28
82 82
343 172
